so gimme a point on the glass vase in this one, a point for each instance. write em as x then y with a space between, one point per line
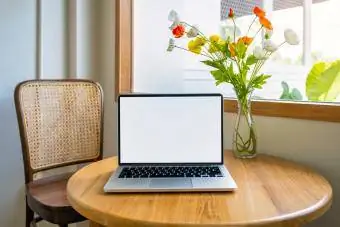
244 138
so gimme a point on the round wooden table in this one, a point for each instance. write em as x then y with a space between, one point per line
271 192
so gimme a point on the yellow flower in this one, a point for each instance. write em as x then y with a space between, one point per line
212 49
222 42
200 41
196 44
216 46
214 38
194 47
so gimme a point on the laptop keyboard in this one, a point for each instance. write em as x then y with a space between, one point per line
170 171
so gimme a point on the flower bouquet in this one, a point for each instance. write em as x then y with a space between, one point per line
232 61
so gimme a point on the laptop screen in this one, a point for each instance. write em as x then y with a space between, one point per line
170 129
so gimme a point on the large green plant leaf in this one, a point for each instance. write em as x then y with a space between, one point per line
323 82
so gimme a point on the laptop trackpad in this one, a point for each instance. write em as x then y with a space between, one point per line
171 183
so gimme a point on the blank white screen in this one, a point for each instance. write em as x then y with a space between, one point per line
179 129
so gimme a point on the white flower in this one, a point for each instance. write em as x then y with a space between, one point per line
193 32
291 37
173 16
269 45
171 45
259 53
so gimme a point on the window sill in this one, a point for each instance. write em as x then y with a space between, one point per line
299 110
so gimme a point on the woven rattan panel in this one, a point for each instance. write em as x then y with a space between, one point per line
62 122
241 8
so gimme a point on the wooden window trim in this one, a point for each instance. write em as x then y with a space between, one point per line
124 80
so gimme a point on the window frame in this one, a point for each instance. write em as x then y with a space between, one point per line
124 80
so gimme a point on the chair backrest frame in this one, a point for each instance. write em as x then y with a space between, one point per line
29 171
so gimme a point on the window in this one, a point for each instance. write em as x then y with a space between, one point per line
143 65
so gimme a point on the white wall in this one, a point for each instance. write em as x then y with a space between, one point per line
54 40
107 74
17 62
88 25
63 53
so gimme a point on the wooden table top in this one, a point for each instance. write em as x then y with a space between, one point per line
271 192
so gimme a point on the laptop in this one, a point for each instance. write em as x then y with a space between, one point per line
170 142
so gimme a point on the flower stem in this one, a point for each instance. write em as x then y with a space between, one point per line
234 29
191 52
244 144
258 31
281 44
251 25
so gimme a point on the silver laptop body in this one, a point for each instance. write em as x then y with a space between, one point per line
170 142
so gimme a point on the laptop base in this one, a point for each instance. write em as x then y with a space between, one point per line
179 184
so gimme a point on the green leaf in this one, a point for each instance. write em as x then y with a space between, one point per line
296 95
227 51
244 72
259 81
323 82
223 47
218 76
285 93
214 64
241 50
285 87
251 60
230 71
285 97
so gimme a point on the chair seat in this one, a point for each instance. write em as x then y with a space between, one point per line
47 197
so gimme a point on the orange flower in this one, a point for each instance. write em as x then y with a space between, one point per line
232 49
266 23
178 31
259 12
231 13
246 40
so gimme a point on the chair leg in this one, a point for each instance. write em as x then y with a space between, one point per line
29 215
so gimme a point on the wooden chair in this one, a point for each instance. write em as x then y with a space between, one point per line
60 124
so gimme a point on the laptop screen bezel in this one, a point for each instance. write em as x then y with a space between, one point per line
170 95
